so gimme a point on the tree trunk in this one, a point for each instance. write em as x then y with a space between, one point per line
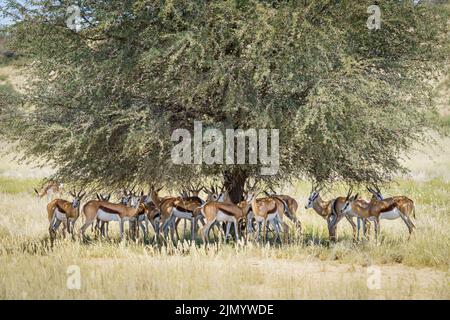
234 181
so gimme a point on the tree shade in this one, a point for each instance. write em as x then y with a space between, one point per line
103 102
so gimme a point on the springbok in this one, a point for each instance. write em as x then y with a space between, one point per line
151 214
171 208
269 210
215 211
389 208
60 210
49 189
291 207
103 226
192 192
219 195
330 211
107 211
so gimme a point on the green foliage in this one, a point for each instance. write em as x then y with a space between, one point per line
15 185
10 100
348 101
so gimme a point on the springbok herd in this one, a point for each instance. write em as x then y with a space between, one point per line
249 216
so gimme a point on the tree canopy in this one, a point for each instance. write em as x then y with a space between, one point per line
102 102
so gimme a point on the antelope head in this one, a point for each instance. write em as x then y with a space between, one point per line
224 193
347 207
126 197
250 190
211 192
195 189
313 196
154 194
137 199
376 193
76 198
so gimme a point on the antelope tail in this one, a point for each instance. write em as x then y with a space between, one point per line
286 208
202 211
334 213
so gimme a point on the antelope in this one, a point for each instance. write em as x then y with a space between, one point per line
49 189
193 193
389 208
215 211
60 210
213 194
151 214
329 210
103 226
269 210
171 208
291 206
107 211
376 195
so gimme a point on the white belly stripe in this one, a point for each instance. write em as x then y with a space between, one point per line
60 215
270 217
106 216
224 217
181 214
390 215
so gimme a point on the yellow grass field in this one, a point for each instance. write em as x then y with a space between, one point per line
306 268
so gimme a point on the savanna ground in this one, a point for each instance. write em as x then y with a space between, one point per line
307 268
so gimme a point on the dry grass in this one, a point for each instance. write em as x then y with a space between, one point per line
306 269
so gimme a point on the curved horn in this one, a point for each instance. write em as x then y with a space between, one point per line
349 193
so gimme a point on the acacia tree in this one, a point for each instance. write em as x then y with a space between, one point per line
103 101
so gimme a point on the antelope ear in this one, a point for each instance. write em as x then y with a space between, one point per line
142 193
98 196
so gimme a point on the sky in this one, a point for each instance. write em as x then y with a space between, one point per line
3 21
6 21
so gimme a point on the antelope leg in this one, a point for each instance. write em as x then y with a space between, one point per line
377 230
146 226
227 234
358 220
86 225
236 230
121 226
